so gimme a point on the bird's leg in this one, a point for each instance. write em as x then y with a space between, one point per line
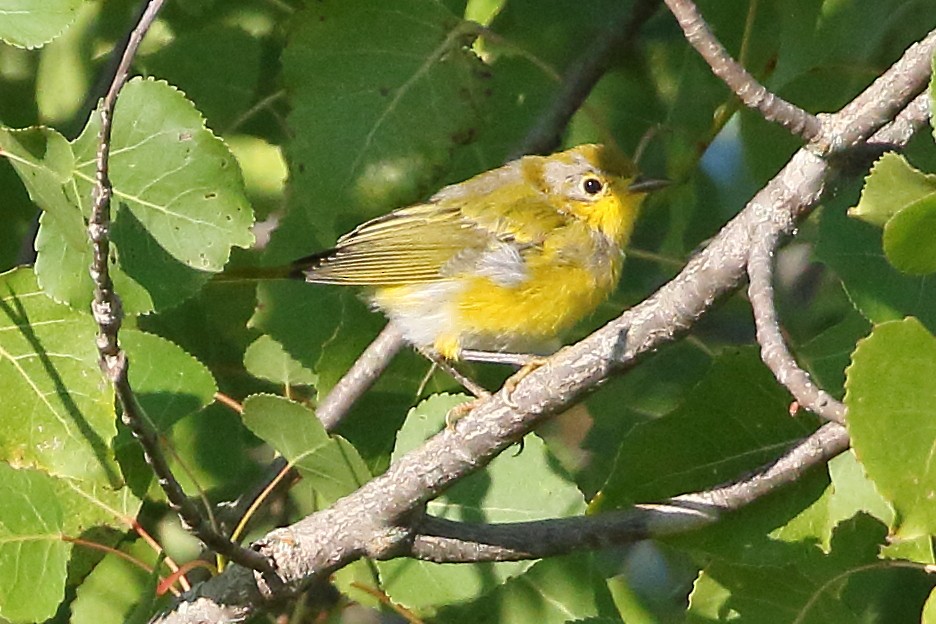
526 362
469 384
462 409
496 357
425 380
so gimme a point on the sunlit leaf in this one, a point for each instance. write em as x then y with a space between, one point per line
890 398
29 24
33 555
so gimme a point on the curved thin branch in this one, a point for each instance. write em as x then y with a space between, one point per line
360 377
907 123
108 315
739 80
868 112
773 348
446 541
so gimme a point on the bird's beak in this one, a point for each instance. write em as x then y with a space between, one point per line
643 185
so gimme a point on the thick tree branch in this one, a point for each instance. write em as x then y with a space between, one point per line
829 136
367 522
108 315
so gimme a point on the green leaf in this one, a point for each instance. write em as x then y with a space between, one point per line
514 487
890 396
735 420
213 451
178 205
265 358
520 90
382 95
194 206
808 587
66 71
329 465
910 237
552 31
827 355
929 610
212 326
264 171
95 513
44 161
919 550
33 556
653 389
880 292
892 185
29 24
64 415
169 383
19 214
115 590
302 317
154 279
88 506
853 492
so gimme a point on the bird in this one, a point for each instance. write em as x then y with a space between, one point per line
498 267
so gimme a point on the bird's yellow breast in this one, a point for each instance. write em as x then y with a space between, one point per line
520 317
472 311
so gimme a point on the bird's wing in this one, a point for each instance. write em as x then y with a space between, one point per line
406 246
428 242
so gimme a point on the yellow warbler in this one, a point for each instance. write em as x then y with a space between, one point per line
503 262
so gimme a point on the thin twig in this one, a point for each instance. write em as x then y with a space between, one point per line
739 80
360 377
108 315
774 351
448 541
266 102
907 123
868 112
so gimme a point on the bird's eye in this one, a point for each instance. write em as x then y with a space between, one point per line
592 186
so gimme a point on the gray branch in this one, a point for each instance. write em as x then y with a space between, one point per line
108 314
739 80
446 541
774 351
